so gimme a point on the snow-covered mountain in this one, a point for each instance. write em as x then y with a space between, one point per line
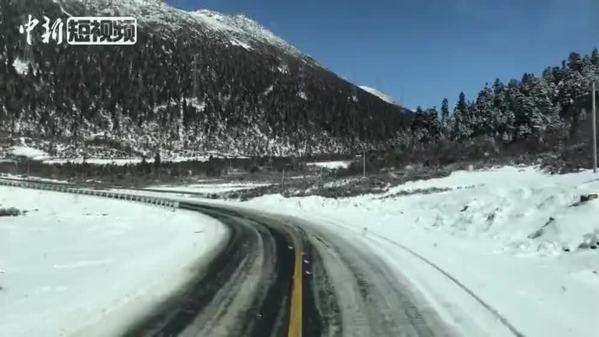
238 29
244 30
195 81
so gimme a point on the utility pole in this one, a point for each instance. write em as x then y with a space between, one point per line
594 127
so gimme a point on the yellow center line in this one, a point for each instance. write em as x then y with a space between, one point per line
295 312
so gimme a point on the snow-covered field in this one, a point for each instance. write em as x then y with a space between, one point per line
124 161
331 164
33 178
208 186
25 151
94 161
476 226
74 262
28 152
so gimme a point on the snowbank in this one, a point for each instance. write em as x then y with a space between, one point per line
84 266
477 227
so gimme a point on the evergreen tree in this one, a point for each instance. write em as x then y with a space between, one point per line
504 117
595 57
445 116
426 126
462 123
575 61
483 122
462 105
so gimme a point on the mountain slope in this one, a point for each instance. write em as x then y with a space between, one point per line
194 82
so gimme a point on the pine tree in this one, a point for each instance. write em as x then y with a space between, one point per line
595 57
461 119
445 116
462 105
575 61
426 126
548 75
483 122
504 117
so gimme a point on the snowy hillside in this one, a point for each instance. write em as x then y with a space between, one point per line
244 29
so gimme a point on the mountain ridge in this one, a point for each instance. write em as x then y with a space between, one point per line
379 94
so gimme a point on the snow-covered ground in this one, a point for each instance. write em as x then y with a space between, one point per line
95 161
132 161
183 192
208 187
33 153
73 263
120 161
28 152
331 164
33 178
476 227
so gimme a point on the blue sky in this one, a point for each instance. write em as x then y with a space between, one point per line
420 51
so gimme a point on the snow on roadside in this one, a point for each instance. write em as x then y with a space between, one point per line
79 265
477 227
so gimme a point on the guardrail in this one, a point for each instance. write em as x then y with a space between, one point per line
89 191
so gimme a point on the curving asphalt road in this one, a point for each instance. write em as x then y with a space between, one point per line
281 276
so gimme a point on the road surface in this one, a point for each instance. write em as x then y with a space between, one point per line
282 276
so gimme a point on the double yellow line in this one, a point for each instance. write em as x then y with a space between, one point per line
295 311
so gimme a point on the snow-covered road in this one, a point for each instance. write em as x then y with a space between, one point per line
272 274
503 252
347 290
477 227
